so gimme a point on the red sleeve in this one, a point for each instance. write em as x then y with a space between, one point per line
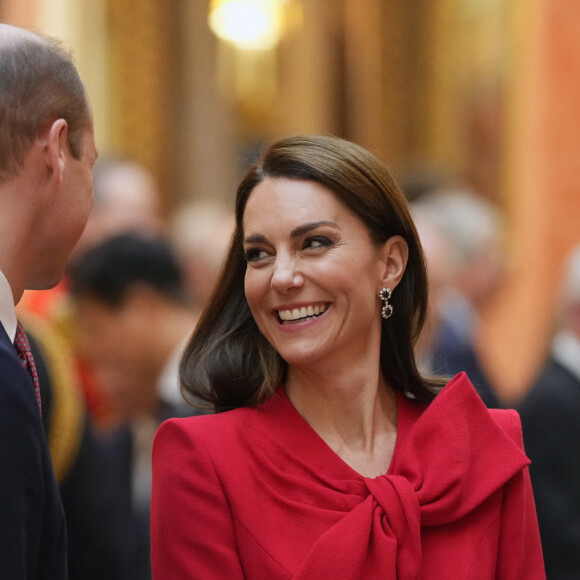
192 532
519 551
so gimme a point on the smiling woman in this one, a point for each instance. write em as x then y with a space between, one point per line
288 186
335 458
307 250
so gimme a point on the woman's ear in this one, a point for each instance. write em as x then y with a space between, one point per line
394 255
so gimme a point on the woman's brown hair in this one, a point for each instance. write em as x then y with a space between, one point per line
228 363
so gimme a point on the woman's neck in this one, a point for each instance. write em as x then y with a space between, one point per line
353 411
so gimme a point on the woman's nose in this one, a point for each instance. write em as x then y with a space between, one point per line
285 276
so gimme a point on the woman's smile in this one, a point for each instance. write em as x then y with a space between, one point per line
300 313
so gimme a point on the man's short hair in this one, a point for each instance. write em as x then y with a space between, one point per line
38 85
108 271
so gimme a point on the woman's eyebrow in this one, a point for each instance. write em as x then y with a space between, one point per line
301 230
255 239
295 233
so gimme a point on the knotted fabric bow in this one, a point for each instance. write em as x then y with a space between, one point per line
435 479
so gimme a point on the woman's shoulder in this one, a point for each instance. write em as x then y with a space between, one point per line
509 421
459 402
210 423
221 429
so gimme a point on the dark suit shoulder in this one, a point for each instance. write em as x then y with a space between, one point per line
32 528
16 389
555 390
550 412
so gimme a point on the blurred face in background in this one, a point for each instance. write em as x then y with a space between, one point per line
482 277
117 344
126 200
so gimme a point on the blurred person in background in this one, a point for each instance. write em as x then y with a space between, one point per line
463 237
436 250
550 415
201 232
127 199
133 316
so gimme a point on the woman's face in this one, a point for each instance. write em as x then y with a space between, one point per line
313 273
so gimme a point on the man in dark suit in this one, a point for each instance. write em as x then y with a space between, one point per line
47 151
550 415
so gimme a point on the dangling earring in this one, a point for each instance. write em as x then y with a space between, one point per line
387 310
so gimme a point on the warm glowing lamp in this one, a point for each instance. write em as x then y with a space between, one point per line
247 24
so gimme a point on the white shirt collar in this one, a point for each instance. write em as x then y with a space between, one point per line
168 382
7 312
566 350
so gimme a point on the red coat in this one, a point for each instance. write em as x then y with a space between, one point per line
257 494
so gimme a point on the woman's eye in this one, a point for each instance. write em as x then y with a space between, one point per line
317 242
255 254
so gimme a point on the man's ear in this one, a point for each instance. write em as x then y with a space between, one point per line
394 256
56 148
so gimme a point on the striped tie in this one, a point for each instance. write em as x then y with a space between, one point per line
23 347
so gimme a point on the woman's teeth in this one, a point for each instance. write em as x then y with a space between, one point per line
300 313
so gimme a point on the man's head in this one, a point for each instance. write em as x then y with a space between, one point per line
47 151
131 313
39 84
